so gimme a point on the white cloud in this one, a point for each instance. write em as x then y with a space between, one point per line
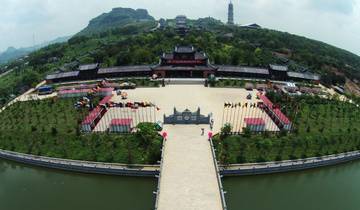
333 21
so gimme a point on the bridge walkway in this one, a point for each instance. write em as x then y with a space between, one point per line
188 177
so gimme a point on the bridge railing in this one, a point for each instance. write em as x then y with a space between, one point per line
218 176
157 193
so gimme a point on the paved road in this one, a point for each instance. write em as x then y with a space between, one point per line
188 178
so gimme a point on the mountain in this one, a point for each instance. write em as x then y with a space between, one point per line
12 53
118 17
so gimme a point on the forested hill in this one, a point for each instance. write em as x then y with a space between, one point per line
118 17
133 41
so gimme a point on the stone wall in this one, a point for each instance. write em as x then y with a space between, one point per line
82 166
287 166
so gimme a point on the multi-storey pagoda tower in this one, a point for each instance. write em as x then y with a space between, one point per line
231 14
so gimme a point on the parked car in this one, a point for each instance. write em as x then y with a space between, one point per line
45 90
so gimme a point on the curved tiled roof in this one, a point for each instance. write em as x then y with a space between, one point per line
241 69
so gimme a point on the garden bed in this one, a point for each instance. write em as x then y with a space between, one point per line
52 128
321 127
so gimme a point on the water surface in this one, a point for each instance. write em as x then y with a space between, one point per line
330 188
33 188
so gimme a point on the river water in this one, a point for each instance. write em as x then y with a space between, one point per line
330 188
31 188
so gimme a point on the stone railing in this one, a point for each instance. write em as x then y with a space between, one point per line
157 193
82 166
289 165
218 176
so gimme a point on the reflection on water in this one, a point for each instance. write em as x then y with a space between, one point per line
31 188
330 188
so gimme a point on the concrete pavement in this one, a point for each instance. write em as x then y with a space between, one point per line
188 177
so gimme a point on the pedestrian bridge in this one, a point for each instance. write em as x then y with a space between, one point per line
189 178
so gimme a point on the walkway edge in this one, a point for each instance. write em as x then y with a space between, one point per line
288 166
218 176
82 166
159 175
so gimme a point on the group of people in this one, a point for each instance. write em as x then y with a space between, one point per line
244 105
84 102
211 128
132 105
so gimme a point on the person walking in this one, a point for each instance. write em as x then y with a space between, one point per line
202 131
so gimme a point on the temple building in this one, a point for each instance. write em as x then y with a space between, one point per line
88 71
184 62
278 72
243 71
181 25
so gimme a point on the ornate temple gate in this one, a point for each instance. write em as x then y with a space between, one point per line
187 117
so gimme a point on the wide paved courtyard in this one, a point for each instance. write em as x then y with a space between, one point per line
210 100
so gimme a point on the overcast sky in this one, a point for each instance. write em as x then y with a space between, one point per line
337 22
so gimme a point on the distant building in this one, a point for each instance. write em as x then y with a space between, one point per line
231 14
88 71
181 21
62 77
184 62
251 26
162 23
243 71
124 71
278 72
181 24
306 76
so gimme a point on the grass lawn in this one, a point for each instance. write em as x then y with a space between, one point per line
322 127
51 128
